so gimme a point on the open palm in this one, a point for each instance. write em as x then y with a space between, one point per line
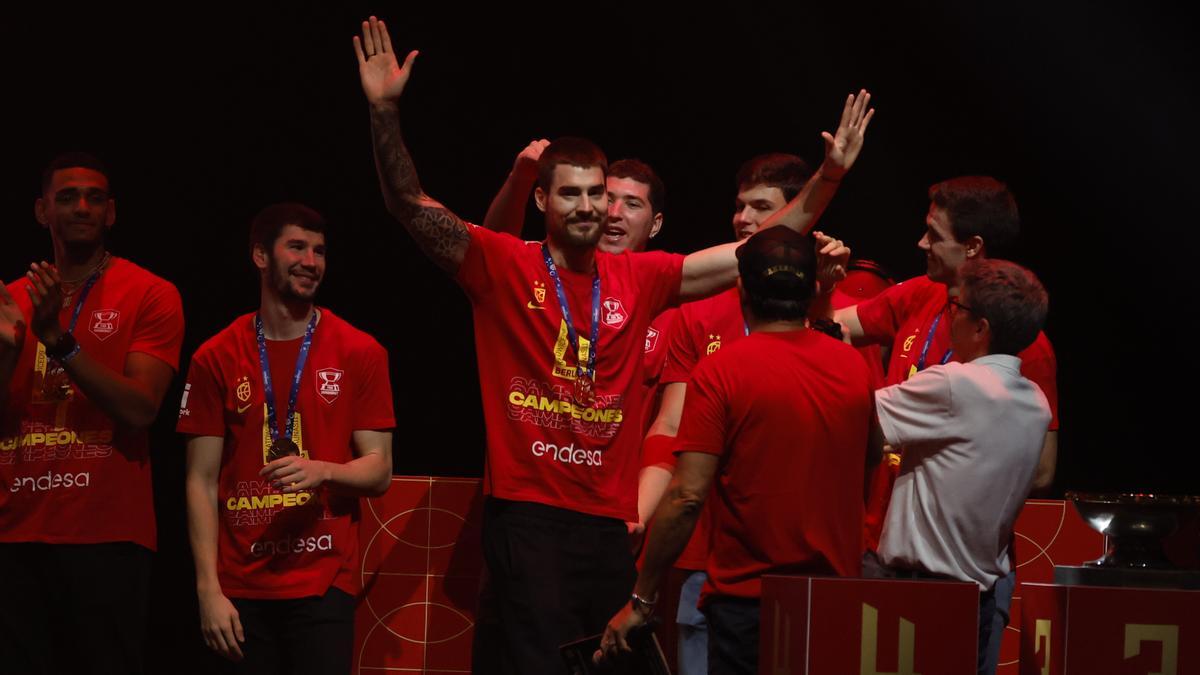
383 78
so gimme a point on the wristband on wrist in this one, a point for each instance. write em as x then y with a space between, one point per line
642 605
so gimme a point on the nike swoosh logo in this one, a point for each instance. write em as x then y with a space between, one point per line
530 305
244 408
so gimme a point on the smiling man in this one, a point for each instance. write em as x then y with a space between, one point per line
88 347
288 413
559 327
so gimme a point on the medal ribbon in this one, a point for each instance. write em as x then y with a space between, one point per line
589 370
268 390
928 341
83 293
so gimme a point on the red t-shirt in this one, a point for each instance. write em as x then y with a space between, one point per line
274 545
703 327
542 446
68 475
903 315
788 414
657 336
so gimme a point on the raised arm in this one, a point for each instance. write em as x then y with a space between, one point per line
715 269
507 212
440 234
841 151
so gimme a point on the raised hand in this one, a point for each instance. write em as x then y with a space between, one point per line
12 323
527 159
383 79
832 256
842 148
45 292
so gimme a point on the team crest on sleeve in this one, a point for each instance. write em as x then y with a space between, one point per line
614 314
104 323
651 338
329 383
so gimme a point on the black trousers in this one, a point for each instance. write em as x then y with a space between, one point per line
732 635
554 576
304 636
73 608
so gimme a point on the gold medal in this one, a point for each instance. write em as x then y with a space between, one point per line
585 391
282 447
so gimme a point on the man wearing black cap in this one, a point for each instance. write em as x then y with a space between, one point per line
783 416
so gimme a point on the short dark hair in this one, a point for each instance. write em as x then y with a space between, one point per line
636 169
1010 297
780 170
266 226
74 160
569 150
979 205
779 272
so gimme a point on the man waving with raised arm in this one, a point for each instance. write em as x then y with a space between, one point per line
559 331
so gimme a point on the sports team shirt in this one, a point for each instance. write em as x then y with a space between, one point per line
543 445
653 359
274 545
703 327
788 414
904 315
69 475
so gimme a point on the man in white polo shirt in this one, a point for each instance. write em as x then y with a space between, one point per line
972 433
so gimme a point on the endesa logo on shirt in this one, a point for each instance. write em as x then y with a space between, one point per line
567 454
291 545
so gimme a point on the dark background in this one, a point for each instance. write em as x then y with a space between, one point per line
209 115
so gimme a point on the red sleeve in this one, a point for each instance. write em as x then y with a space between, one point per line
487 249
202 408
702 428
659 276
1039 364
682 351
159 328
373 400
882 315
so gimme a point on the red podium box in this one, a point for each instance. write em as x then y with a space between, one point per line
1085 630
1048 532
420 569
834 626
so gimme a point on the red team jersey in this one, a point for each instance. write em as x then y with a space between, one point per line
788 414
69 475
542 445
703 327
273 545
903 315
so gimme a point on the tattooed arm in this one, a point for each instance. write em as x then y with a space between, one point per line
440 234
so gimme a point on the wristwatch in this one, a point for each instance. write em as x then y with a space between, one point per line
64 349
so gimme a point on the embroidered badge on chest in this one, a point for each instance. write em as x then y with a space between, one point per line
104 323
329 383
